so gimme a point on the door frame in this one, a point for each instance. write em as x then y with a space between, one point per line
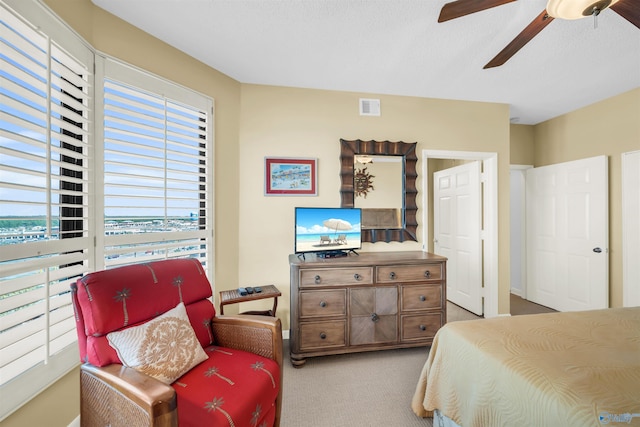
489 234
630 220
522 181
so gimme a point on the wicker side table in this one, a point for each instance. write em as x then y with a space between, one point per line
233 297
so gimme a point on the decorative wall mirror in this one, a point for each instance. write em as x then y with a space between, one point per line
380 177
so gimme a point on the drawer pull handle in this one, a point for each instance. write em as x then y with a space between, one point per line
392 275
357 276
423 328
427 274
317 280
423 298
323 335
323 304
375 317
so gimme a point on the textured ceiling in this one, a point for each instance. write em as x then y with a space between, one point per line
397 47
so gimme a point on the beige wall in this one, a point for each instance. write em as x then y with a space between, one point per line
56 406
522 144
610 127
278 121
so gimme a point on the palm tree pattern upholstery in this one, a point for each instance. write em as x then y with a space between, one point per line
238 384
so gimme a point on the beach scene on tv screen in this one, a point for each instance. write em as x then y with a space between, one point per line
327 229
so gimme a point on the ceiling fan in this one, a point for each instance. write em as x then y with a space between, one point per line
562 9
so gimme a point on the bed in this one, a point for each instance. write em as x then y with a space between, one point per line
556 369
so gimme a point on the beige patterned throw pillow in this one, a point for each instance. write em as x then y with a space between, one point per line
165 348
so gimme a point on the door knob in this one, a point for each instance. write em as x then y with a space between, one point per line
597 250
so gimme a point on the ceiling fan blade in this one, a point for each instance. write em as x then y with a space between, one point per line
460 8
629 10
521 39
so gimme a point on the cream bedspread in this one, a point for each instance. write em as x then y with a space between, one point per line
559 369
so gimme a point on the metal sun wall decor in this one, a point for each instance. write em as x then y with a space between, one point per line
363 182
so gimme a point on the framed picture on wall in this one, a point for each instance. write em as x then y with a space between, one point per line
285 176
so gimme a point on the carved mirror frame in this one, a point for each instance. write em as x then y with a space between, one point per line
348 150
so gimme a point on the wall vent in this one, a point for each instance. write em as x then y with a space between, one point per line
369 107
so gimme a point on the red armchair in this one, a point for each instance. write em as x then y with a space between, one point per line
154 352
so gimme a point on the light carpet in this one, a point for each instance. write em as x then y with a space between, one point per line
355 390
372 389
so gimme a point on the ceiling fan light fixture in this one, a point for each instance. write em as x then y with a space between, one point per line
576 9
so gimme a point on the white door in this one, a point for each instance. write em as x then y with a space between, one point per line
457 225
568 235
631 229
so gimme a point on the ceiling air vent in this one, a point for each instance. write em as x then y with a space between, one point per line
369 107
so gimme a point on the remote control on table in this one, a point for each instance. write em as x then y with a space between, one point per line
257 289
249 290
242 291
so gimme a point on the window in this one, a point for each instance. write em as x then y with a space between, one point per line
92 176
156 168
45 125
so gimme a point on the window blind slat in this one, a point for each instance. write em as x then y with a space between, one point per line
29 53
125 137
20 109
62 339
24 329
24 314
19 91
22 364
67 113
57 138
20 348
116 110
72 81
24 82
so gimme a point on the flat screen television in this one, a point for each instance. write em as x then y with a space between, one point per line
327 231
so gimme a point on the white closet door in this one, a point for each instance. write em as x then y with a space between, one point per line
568 235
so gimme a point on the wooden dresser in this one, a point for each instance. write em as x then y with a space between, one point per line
371 301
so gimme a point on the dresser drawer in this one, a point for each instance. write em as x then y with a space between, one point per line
323 303
423 326
408 273
421 297
323 334
336 276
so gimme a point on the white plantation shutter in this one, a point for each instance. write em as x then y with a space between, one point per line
45 124
157 170
82 189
